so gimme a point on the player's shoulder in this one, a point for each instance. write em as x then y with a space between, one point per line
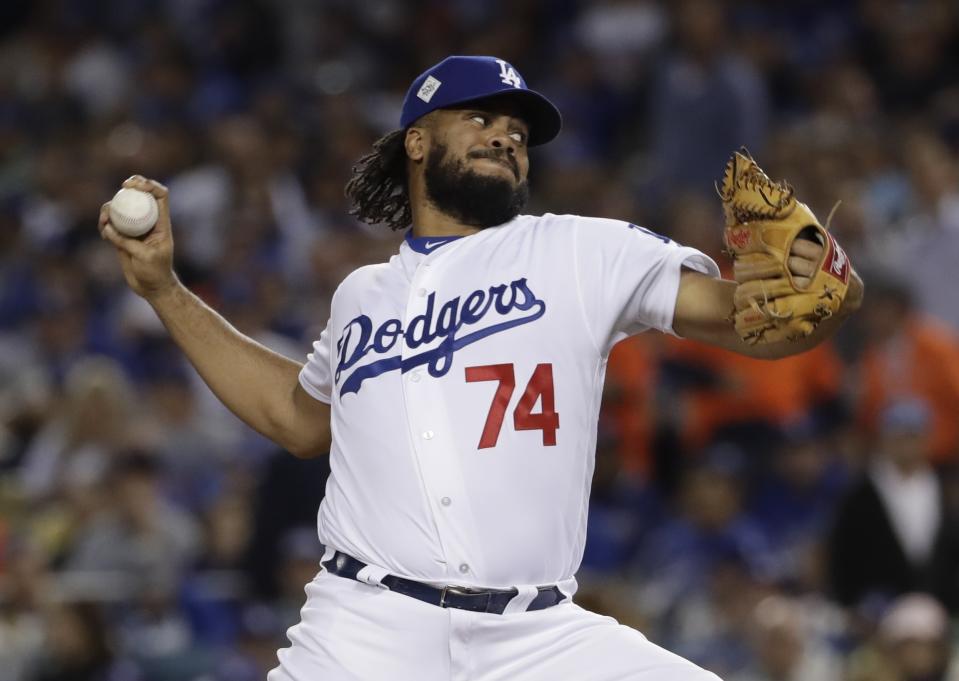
568 221
557 225
365 277
585 228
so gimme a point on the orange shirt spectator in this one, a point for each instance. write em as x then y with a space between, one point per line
909 355
628 399
743 389
922 361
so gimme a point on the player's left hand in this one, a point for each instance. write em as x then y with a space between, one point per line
792 274
804 256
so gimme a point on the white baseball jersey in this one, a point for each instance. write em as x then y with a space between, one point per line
465 378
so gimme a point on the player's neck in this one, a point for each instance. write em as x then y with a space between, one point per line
430 221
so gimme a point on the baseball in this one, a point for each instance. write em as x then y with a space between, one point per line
132 212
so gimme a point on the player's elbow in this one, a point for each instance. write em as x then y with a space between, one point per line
301 444
303 426
307 444
308 452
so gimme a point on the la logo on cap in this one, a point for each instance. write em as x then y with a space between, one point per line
508 74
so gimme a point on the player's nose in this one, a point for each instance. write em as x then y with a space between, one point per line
504 142
499 138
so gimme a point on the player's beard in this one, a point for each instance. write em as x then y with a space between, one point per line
472 198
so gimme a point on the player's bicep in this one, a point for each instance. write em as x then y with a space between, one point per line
310 434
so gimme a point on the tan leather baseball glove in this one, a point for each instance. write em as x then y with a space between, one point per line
763 218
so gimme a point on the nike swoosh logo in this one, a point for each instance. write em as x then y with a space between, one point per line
429 244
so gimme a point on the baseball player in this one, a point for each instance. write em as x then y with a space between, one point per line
457 386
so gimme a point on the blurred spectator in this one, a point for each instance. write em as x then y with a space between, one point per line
622 34
285 499
623 508
728 395
298 563
783 647
192 448
193 457
254 652
23 595
710 625
707 529
908 355
893 532
250 188
910 44
228 524
795 495
912 644
25 404
139 534
75 447
628 404
705 100
930 235
78 647
216 591
153 634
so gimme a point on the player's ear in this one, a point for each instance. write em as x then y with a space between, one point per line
416 143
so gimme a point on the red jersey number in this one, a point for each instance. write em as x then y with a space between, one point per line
539 388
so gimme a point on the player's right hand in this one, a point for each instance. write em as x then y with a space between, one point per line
147 262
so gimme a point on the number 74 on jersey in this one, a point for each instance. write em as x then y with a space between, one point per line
540 387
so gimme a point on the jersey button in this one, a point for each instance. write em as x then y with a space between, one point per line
464 568
415 377
421 293
428 435
446 501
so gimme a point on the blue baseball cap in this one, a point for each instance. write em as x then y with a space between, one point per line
458 79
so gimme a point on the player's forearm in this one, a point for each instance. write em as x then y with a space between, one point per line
254 382
704 313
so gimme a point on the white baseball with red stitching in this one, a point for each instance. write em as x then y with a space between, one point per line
133 212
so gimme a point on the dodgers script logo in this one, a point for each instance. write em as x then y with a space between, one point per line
359 338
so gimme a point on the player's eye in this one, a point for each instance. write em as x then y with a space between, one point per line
519 137
479 118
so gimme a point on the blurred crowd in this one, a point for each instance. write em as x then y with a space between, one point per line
787 521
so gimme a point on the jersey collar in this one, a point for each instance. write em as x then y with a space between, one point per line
428 244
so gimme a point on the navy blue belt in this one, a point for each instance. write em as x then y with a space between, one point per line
460 597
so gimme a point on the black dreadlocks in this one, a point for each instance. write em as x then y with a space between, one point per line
378 186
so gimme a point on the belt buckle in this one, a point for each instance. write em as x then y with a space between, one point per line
461 590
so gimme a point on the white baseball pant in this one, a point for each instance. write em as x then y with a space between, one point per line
352 631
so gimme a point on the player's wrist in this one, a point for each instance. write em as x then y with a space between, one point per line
854 295
163 294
